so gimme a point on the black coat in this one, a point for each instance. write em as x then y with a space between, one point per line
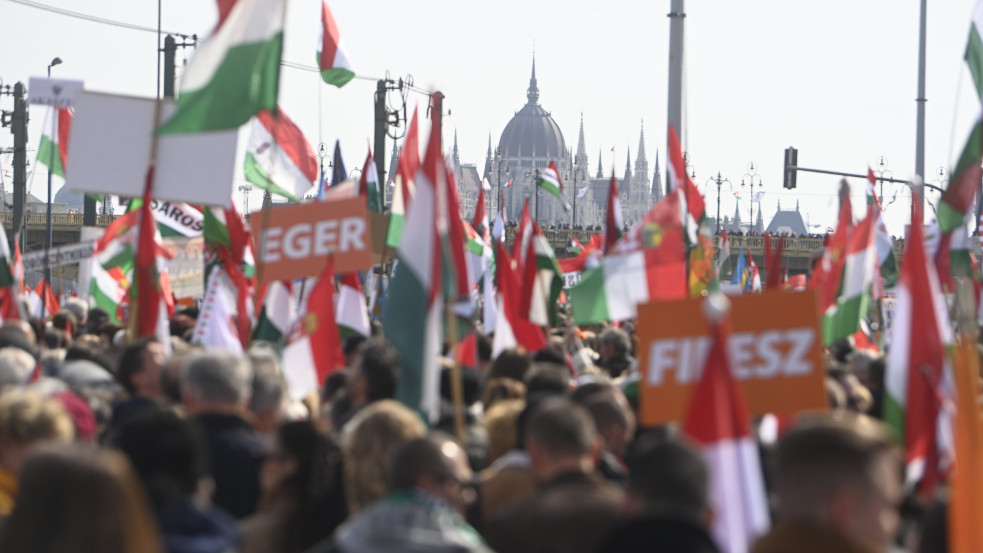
658 535
235 453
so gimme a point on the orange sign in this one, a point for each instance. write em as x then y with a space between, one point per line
294 241
775 352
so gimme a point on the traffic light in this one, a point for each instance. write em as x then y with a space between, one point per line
791 164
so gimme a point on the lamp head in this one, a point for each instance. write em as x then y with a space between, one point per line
54 62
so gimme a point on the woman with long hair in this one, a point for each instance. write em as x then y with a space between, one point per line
79 499
303 493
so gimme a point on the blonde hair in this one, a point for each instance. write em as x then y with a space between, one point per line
501 422
369 441
26 417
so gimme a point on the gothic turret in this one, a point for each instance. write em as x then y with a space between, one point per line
488 161
600 168
641 163
626 182
532 93
657 190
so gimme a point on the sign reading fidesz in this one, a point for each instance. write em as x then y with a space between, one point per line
294 241
775 352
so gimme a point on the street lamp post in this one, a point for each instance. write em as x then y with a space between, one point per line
51 165
752 174
882 172
499 154
322 152
719 182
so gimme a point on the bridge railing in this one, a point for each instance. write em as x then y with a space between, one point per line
33 218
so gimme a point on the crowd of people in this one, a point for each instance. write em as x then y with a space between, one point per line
111 445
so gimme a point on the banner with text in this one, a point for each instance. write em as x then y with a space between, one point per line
775 353
294 241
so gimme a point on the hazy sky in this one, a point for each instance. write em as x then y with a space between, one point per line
836 79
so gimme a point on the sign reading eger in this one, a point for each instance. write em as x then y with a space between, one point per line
775 352
294 241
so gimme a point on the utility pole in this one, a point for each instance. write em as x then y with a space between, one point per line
381 126
170 62
17 121
676 16
918 194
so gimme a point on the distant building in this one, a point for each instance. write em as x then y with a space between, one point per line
787 222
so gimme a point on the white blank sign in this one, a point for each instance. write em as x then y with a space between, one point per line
109 152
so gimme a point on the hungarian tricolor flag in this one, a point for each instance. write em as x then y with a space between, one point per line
277 315
648 264
235 74
314 348
409 164
332 61
278 157
352 314
541 283
916 367
368 185
549 180
885 250
414 310
512 329
150 295
523 234
53 152
852 301
717 419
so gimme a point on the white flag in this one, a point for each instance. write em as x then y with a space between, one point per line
757 197
582 191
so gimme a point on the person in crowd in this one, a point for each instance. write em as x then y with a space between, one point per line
79 308
616 425
668 502
574 508
168 454
269 391
372 378
215 393
427 494
369 441
501 389
838 485
79 499
139 374
303 492
27 420
501 421
475 435
16 366
615 352
510 364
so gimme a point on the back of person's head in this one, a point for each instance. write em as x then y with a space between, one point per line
470 385
17 333
669 477
77 307
79 499
67 321
26 418
560 428
617 338
369 441
614 420
417 459
96 318
840 471
501 421
510 364
314 488
55 338
86 349
268 387
547 379
215 378
167 452
379 366
16 366
501 389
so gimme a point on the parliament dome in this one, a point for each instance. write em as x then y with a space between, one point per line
532 132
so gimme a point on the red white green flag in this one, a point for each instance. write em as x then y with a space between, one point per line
332 61
614 220
692 207
53 152
278 157
549 180
235 74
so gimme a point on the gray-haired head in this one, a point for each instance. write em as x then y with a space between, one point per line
78 307
15 366
617 338
218 378
268 386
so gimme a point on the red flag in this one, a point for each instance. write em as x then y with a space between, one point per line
526 334
43 290
466 352
480 220
717 418
453 237
828 273
613 222
321 328
523 233
409 162
145 296
693 205
18 266
773 261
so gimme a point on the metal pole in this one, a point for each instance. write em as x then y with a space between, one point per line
381 126
919 193
719 182
47 242
18 125
676 15
536 194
